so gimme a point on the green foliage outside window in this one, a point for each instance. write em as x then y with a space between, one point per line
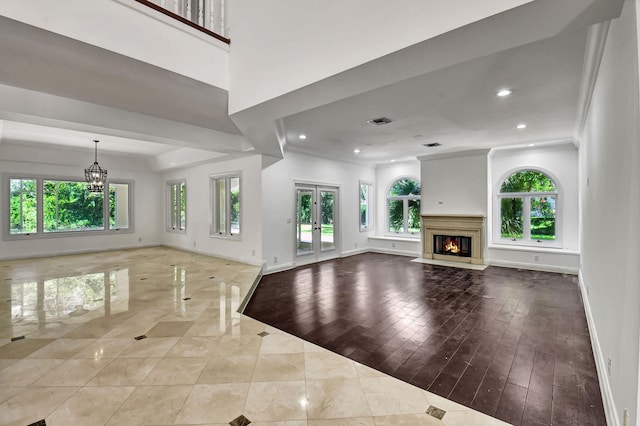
542 209
70 206
404 190
23 206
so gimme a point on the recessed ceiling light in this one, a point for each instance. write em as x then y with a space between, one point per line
356 150
302 137
504 92
521 126
532 144
393 161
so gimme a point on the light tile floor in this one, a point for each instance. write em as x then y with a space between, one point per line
199 362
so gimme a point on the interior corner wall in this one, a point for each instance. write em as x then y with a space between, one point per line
454 184
69 163
610 208
247 249
278 199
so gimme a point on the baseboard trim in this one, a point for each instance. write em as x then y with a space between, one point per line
279 268
395 251
81 251
354 252
610 411
533 266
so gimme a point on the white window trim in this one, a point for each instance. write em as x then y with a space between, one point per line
182 228
213 231
40 234
405 209
370 209
526 240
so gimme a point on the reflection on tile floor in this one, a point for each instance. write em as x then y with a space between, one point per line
201 363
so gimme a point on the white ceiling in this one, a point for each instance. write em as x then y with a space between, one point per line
455 107
71 93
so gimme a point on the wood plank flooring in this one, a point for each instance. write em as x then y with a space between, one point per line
510 343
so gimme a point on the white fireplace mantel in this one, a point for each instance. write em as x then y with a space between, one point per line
454 225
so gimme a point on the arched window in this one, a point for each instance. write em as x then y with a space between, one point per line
528 209
403 201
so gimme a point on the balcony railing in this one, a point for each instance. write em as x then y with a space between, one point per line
208 16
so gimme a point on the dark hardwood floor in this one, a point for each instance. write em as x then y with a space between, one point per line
513 344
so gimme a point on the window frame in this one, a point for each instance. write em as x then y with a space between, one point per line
370 226
5 209
181 227
214 216
526 197
405 209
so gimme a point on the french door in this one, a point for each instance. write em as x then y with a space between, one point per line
316 223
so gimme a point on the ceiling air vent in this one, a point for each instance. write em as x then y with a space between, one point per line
380 121
432 145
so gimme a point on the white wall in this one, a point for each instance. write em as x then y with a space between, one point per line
248 248
610 208
278 199
64 162
560 162
454 183
130 29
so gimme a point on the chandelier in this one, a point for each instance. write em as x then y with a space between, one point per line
95 175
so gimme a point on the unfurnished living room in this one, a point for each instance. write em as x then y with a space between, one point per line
229 212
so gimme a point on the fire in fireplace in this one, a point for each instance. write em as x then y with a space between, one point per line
452 246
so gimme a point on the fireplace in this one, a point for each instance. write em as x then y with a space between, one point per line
454 237
452 246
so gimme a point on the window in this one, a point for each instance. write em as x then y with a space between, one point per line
119 206
177 196
527 205
225 195
365 206
42 206
404 207
24 206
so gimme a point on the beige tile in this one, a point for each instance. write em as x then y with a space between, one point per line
4 363
124 372
279 367
336 398
470 417
90 406
219 403
170 329
194 347
62 349
443 403
282 423
388 396
281 344
205 328
327 365
176 371
27 371
105 348
364 371
229 369
7 392
241 345
151 405
73 372
151 347
349 421
310 347
33 404
276 401
22 348
408 420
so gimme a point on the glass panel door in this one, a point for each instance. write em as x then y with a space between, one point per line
327 214
304 221
316 223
